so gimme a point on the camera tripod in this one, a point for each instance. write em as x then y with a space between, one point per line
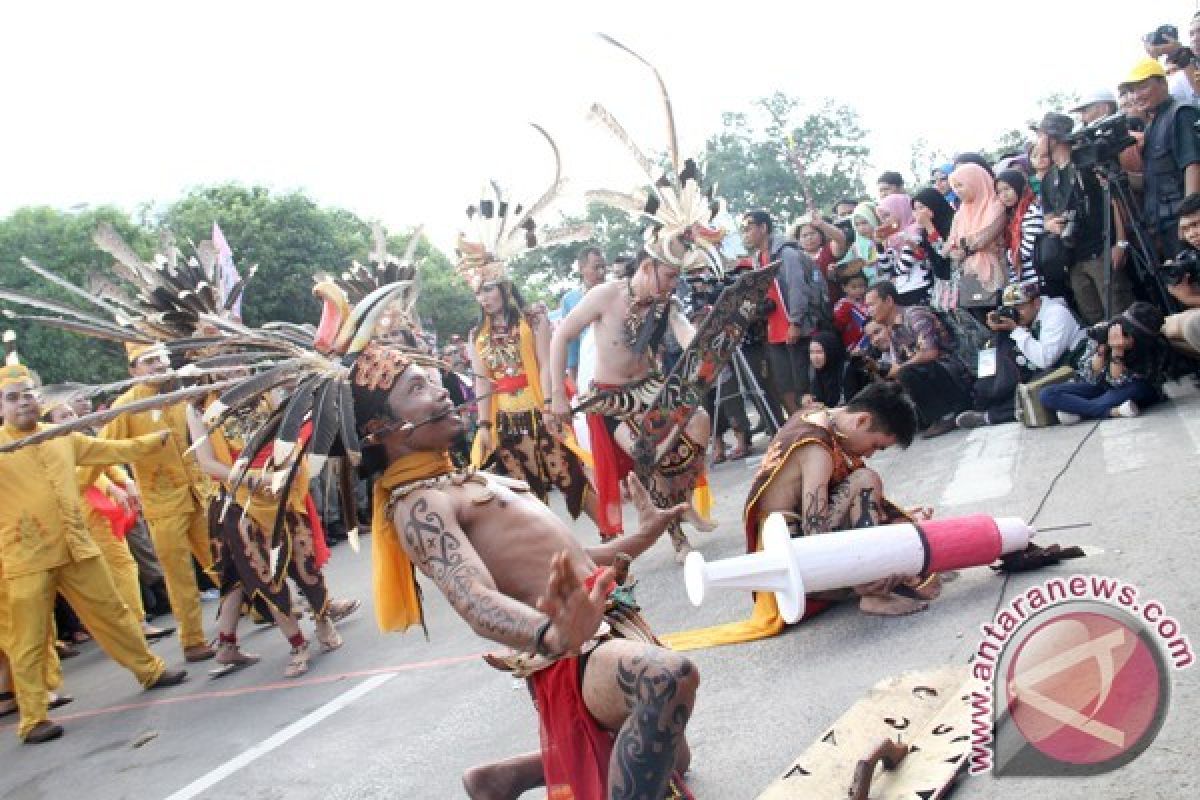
1115 185
747 388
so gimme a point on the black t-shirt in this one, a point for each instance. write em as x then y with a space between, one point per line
1065 188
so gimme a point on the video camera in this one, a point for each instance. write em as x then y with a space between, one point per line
1101 142
1184 265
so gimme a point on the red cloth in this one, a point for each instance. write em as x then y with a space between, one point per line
118 518
777 318
510 384
320 546
846 322
611 465
576 751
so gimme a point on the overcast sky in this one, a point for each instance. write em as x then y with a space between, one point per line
400 113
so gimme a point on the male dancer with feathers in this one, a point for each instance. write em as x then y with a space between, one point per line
612 703
631 317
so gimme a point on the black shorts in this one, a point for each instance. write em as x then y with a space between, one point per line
787 365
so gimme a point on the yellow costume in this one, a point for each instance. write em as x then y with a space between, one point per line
173 503
116 553
45 547
521 444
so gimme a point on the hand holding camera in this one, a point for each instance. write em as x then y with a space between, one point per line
1003 319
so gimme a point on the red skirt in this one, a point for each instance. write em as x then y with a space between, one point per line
612 464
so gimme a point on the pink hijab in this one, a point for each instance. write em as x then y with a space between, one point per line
980 220
899 206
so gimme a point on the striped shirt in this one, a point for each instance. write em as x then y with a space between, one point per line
1032 226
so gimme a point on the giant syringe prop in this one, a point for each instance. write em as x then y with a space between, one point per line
792 568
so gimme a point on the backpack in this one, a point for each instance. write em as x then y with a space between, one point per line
819 313
967 335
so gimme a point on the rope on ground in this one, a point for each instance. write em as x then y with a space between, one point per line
1042 504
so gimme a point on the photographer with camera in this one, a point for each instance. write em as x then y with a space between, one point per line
1071 253
1036 335
800 305
1121 372
1182 276
1171 153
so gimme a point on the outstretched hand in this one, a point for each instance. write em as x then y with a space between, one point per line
652 520
574 611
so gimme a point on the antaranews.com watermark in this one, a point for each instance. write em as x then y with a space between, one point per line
1076 676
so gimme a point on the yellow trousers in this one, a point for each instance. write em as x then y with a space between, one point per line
176 540
52 674
120 563
88 587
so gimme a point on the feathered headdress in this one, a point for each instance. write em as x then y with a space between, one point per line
679 210
141 304
385 269
501 231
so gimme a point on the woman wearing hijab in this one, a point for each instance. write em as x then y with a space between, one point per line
861 252
1025 225
976 241
826 360
909 244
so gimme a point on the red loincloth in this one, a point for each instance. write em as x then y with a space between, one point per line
576 751
612 464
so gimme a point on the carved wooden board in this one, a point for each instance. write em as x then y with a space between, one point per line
927 710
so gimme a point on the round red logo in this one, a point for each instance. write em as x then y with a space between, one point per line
1085 688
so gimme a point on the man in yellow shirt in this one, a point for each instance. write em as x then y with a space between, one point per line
45 548
173 500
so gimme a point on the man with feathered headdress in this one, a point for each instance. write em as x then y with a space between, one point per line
631 319
45 547
517 575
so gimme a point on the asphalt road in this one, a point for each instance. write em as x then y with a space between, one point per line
402 717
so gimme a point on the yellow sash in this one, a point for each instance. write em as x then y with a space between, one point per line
397 600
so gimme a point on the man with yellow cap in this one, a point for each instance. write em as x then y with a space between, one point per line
1170 150
172 498
45 548
109 515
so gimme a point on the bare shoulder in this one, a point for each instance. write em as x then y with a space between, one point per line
422 517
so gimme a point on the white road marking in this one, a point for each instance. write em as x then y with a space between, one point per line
1126 445
267 745
1191 422
985 466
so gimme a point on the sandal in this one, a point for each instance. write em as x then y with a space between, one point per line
327 634
298 665
338 610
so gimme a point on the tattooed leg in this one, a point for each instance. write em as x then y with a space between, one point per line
505 780
857 503
645 694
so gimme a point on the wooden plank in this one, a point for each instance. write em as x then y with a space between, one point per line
908 708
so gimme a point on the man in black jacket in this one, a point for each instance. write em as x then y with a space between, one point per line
1171 152
1074 206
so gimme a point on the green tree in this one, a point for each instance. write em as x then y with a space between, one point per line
291 238
786 153
546 272
288 236
61 241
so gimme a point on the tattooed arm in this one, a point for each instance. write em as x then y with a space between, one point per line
432 537
801 490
